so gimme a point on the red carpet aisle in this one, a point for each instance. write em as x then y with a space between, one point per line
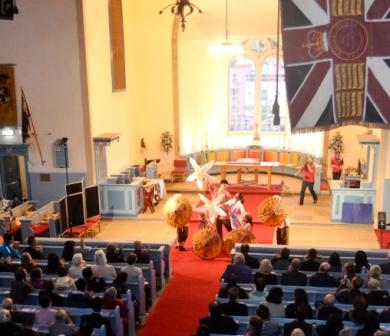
195 282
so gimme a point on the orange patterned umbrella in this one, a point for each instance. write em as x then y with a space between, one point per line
177 211
272 211
206 243
239 235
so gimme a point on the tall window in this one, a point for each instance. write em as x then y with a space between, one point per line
242 97
267 95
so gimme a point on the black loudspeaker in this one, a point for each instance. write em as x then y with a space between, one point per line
382 220
7 9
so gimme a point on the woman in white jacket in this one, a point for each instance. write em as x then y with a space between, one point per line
101 269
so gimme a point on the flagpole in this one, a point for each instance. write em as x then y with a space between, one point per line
33 127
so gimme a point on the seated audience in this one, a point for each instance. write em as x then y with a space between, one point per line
233 307
328 308
7 326
311 262
110 301
274 302
114 254
54 262
371 324
265 272
6 264
120 283
242 271
69 250
20 288
101 269
34 250
322 277
133 272
64 282
36 279
335 262
348 290
332 327
94 284
78 264
95 319
375 273
63 325
348 274
293 277
7 249
283 260
232 282
269 327
385 267
361 262
142 256
27 262
45 316
377 296
302 313
358 313
49 290
255 325
300 299
258 293
250 261
218 323
80 297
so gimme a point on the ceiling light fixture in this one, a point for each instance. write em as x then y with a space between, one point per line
182 8
226 46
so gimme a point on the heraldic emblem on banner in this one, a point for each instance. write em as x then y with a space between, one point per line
8 116
337 59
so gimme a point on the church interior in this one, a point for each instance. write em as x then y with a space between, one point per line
118 119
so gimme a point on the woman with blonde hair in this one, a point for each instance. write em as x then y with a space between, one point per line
77 265
375 273
101 269
265 272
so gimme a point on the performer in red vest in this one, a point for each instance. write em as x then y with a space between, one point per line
309 171
337 163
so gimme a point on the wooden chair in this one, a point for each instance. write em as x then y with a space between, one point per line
149 197
180 170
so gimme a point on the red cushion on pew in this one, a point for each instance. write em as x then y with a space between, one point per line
40 229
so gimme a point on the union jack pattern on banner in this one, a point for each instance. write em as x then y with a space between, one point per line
337 58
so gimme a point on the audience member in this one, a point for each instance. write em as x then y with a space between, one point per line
114 254
361 262
64 282
27 262
218 323
335 262
95 319
5 266
311 261
255 325
80 297
377 296
36 278
265 272
110 301
20 288
78 264
94 284
133 272
322 277
328 308
33 249
120 283
63 325
358 313
69 250
332 327
7 326
232 282
282 261
375 272
293 277
300 298
242 271
302 313
233 307
269 328
385 267
346 332
348 290
53 263
371 324
142 256
45 316
297 332
101 269
49 290
7 249
274 302
258 293
250 261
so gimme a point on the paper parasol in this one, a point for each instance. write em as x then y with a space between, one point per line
272 211
177 211
206 243
239 235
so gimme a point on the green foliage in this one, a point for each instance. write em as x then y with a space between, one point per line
166 141
336 144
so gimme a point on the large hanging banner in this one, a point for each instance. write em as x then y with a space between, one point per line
8 116
337 59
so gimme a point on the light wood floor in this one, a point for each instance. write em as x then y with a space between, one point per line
310 223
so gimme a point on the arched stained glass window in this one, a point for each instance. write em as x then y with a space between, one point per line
267 94
242 94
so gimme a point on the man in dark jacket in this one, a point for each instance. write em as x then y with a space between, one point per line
322 277
243 272
33 249
302 313
142 256
294 277
218 323
96 320
249 260
311 262
79 298
234 308
328 308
